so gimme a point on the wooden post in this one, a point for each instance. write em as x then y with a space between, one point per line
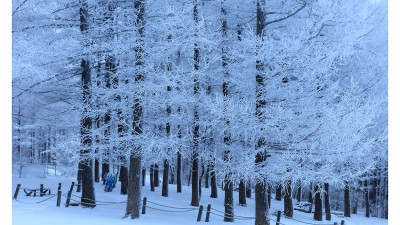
17 191
144 205
78 189
72 186
59 186
208 213
68 199
200 212
278 218
59 198
342 222
41 190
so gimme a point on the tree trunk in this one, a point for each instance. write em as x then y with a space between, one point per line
96 167
152 177
207 176
79 177
88 197
165 179
156 176
287 200
299 192
195 160
242 193
124 180
134 201
366 198
347 200
318 205
228 201
248 189
178 174
105 168
143 177
261 203
213 182
261 200
269 190
200 179
278 195
310 198
327 206
134 187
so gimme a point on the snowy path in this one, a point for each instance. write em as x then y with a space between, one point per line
26 211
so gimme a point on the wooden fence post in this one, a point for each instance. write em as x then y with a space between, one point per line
72 186
342 222
68 199
78 189
200 212
41 190
59 186
278 218
208 213
144 205
58 198
17 191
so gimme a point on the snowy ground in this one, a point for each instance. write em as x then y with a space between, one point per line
25 210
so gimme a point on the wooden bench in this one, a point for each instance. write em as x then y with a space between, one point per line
28 191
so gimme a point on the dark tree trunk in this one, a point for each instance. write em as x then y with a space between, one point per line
278 195
261 203
310 199
228 183
134 187
143 177
165 179
213 182
261 200
248 189
287 200
200 179
228 201
133 203
269 190
79 177
152 177
347 200
156 176
178 174
327 206
96 167
366 199
355 197
124 180
242 193
195 181
172 176
105 168
299 192
195 160
88 197
207 176
318 205
190 175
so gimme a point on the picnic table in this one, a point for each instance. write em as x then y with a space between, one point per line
43 191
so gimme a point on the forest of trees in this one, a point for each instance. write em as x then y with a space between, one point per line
275 96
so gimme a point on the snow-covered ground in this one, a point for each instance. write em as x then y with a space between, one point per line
26 210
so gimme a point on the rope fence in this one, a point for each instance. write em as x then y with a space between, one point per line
153 205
